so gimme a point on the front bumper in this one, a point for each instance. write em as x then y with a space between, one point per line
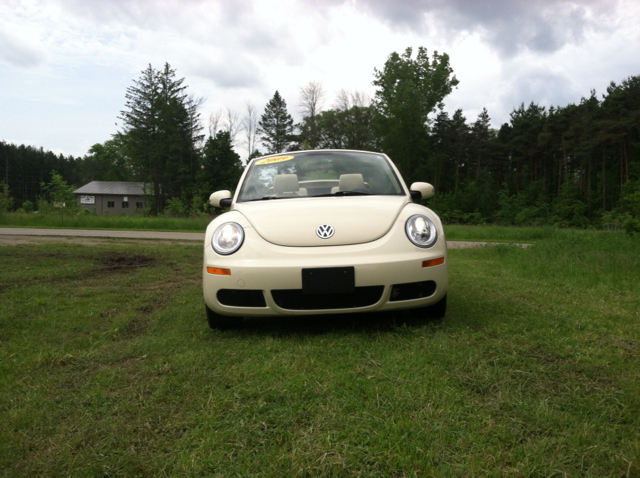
267 270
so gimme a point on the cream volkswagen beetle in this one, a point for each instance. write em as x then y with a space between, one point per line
323 232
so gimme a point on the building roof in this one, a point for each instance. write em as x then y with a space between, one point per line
116 188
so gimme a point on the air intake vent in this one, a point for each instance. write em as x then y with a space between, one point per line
294 299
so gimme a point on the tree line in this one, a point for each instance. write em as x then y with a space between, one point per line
576 165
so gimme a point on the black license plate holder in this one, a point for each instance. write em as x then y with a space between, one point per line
328 280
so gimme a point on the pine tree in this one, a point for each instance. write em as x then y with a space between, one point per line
276 125
221 167
162 133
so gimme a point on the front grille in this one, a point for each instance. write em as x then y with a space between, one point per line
294 299
241 298
412 290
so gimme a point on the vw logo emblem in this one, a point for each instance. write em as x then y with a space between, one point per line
325 231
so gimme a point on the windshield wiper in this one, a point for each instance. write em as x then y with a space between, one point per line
260 199
352 193
266 198
343 193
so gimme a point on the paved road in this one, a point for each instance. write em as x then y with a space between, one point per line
18 235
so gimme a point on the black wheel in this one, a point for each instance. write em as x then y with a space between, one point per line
221 322
435 311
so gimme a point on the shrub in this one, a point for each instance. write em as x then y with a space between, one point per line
28 207
175 208
6 202
630 204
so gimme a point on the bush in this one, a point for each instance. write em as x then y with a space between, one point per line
611 221
526 208
28 207
571 212
627 215
630 204
631 225
175 208
6 202
198 207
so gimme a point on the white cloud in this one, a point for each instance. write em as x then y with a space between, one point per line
509 26
65 65
19 43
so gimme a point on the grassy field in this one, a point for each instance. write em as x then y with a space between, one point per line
492 233
108 369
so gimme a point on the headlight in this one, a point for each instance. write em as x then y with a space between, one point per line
227 238
421 231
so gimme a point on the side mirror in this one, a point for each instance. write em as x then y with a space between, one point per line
421 191
220 199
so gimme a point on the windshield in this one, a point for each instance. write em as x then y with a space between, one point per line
319 173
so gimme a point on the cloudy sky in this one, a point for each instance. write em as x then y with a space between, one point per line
65 65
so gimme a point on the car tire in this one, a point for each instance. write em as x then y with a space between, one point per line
221 322
435 311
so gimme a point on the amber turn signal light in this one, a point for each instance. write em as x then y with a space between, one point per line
433 262
219 272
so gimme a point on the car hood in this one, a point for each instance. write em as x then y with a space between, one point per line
293 222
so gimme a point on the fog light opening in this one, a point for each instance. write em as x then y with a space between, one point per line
412 290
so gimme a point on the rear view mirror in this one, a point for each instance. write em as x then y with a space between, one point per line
220 199
422 191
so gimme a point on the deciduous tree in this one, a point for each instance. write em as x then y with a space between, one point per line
58 197
408 89
106 162
310 101
250 128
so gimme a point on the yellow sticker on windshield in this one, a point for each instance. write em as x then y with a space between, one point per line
275 159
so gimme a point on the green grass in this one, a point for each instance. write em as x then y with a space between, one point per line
107 368
87 221
491 233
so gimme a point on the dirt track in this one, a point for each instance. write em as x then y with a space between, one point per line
13 236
